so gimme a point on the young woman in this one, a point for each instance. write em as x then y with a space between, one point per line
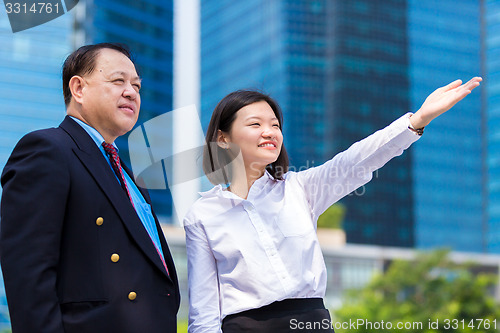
254 260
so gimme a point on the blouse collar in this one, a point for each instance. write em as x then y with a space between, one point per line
222 192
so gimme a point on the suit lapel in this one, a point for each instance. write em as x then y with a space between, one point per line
94 161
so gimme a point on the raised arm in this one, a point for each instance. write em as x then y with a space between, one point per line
325 184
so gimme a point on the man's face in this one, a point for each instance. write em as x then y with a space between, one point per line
110 95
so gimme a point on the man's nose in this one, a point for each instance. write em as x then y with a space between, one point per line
130 92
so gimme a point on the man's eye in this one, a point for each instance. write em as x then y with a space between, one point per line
118 80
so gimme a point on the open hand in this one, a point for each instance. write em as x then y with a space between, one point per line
441 100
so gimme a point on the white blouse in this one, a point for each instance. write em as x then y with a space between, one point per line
245 254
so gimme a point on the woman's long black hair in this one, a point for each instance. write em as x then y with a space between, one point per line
215 158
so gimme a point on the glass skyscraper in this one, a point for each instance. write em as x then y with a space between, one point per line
491 10
447 167
277 47
235 54
368 89
30 83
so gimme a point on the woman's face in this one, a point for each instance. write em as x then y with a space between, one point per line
256 131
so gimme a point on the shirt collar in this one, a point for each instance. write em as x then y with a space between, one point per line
212 192
220 191
94 134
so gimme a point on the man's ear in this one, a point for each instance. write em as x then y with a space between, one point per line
76 85
222 140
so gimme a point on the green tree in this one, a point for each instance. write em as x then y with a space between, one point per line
332 218
441 295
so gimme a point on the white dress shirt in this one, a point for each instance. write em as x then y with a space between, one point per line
247 253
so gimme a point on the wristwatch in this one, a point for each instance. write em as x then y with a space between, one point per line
418 131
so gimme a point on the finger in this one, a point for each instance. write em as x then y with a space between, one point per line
473 83
452 85
467 88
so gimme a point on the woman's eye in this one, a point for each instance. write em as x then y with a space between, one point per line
276 125
255 124
118 80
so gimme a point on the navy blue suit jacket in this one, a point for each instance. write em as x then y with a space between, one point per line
63 215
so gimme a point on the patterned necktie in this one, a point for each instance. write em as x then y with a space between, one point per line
115 164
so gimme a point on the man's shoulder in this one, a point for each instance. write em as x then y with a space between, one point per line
58 136
40 145
49 136
45 133
38 149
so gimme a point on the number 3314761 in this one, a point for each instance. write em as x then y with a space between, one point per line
35 8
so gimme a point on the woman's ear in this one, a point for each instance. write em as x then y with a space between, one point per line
222 140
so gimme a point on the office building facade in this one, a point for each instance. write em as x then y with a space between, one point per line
448 163
368 89
491 44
